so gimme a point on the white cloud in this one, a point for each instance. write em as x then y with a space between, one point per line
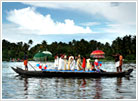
90 23
120 29
121 12
122 15
34 22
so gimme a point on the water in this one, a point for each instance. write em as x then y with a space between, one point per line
16 87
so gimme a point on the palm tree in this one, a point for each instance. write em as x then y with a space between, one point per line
30 42
43 45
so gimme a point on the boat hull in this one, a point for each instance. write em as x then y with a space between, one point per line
70 74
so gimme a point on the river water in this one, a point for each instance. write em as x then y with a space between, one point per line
17 87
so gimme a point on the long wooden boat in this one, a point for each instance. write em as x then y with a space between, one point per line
70 73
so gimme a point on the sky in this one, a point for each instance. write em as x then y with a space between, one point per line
65 21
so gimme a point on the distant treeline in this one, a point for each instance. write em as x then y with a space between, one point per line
125 45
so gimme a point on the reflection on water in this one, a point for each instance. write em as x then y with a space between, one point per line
119 81
98 88
17 87
26 86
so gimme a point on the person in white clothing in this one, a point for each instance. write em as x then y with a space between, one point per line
88 64
79 63
65 62
61 63
56 62
72 63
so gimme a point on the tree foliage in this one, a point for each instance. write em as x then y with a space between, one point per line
125 46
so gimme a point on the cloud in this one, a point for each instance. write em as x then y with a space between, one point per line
12 33
90 23
120 28
36 23
121 12
122 15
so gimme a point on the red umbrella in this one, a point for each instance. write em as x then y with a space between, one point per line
97 54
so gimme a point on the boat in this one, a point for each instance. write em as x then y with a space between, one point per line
69 73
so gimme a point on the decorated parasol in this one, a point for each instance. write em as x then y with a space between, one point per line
39 56
47 53
97 54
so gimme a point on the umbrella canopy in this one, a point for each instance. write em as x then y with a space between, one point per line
39 56
47 53
97 54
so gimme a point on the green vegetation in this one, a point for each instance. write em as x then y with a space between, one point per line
125 46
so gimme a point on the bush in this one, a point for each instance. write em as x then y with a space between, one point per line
131 57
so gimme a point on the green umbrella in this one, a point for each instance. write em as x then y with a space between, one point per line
39 56
47 53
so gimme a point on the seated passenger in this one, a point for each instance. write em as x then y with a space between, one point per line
92 67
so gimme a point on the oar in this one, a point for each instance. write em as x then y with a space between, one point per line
32 66
131 66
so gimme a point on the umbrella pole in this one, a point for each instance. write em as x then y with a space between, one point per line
32 66
46 58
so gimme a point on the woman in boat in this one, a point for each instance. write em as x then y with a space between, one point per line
56 62
70 60
84 63
65 62
72 63
68 68
79 63
88 64
61 62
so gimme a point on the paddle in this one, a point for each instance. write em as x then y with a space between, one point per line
31 66
132 66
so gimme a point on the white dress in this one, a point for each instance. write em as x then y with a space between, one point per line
88 64
61 64
79 64
73 65
56 62
117 64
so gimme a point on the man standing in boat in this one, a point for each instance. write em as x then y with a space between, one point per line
121 62
56 62
118 62
26 62
65 62
79 63
84 63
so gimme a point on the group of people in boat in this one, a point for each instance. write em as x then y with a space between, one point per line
63 62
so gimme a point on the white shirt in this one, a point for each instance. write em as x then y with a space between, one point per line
56 63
